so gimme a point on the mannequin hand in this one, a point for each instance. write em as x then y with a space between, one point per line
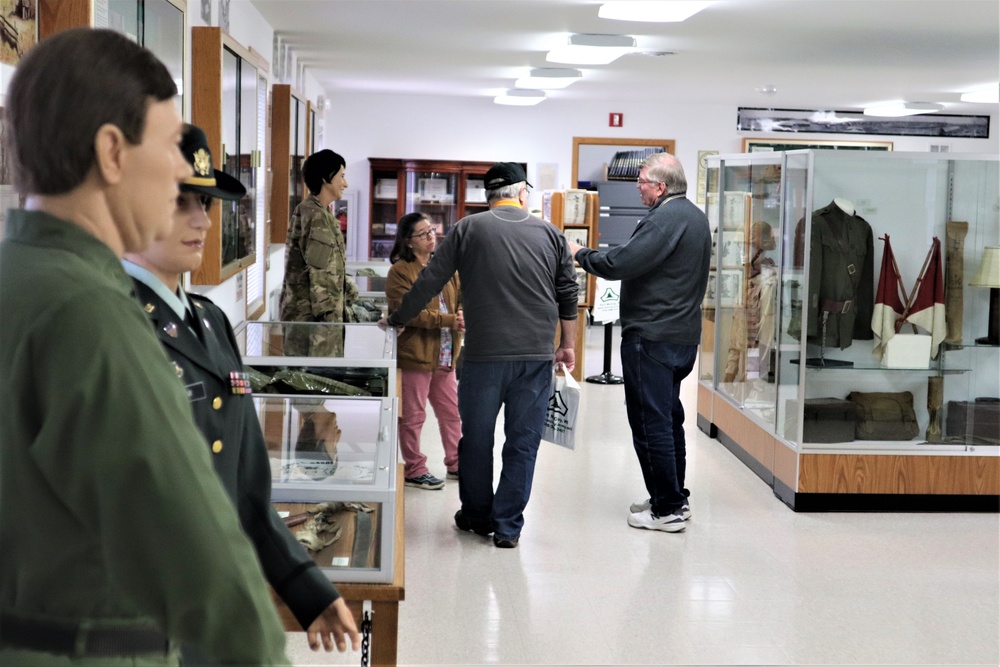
330 627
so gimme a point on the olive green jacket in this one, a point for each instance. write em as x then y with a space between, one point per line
841 278
109 507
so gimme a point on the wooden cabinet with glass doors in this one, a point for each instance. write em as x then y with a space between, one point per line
446 190
290 145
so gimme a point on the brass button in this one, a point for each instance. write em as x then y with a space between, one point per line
217 402
217 446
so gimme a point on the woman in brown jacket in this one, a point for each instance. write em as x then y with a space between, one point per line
427 349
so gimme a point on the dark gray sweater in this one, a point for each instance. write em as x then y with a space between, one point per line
517 280
664 272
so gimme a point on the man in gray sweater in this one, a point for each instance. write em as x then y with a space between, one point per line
664 273
517 281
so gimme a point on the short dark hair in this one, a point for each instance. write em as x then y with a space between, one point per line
320 168
64 90
401 250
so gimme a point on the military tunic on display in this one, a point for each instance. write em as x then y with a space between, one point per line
224 412
316 287
841 278
110 512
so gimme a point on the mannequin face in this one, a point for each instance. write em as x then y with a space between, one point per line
335 188
180 250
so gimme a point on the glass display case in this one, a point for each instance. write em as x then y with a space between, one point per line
225 102
330 428
790 362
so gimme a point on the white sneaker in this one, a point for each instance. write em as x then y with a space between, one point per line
644 505
674 523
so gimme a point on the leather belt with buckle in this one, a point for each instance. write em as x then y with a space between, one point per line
831 306
73 639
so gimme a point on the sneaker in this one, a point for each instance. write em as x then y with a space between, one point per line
425 481
478 527
644 505
453 474
674 523
504 543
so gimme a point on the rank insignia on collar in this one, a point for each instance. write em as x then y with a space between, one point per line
171 329
198 305
202 162
239 382
178 369
150 308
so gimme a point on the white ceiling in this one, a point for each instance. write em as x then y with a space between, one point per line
820 54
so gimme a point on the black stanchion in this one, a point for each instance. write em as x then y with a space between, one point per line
606 377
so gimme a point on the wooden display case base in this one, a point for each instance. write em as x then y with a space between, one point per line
852 481
384 598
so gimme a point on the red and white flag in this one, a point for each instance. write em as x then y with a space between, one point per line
888 302
927 308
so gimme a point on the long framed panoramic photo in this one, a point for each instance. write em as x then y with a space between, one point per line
751 145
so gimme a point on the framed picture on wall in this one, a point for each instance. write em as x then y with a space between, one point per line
768 145
730 288
18 22
580 236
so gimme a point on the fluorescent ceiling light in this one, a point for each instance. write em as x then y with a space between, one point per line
520 98
547 78
651 12
896 109
587 49
983 96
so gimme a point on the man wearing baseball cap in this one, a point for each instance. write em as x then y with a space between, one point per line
518 281
201 347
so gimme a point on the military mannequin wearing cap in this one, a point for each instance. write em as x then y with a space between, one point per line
203 352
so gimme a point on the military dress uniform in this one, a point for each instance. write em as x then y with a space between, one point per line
841 278
204 354
316 287
116 538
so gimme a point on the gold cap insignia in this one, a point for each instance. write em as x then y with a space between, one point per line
150 308
202 162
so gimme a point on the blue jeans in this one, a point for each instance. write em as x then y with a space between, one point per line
653 372
522 387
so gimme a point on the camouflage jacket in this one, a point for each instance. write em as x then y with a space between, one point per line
316 287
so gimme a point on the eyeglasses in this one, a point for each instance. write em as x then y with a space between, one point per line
426 234
643 181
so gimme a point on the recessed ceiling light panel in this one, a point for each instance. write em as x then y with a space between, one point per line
983 96
897 109
590 49
549 78
650 11
519 98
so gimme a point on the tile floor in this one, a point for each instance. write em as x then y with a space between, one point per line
749 582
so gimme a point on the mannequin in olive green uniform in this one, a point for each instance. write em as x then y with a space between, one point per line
115 533
202 348
316 287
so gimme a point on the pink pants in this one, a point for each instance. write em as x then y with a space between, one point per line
440 387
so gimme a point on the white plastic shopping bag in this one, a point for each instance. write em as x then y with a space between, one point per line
564 403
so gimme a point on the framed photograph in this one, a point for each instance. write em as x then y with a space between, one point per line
581 280
768 145
730 288
710 295
735 208
580 236
856 123
703 181
733 251
18 21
